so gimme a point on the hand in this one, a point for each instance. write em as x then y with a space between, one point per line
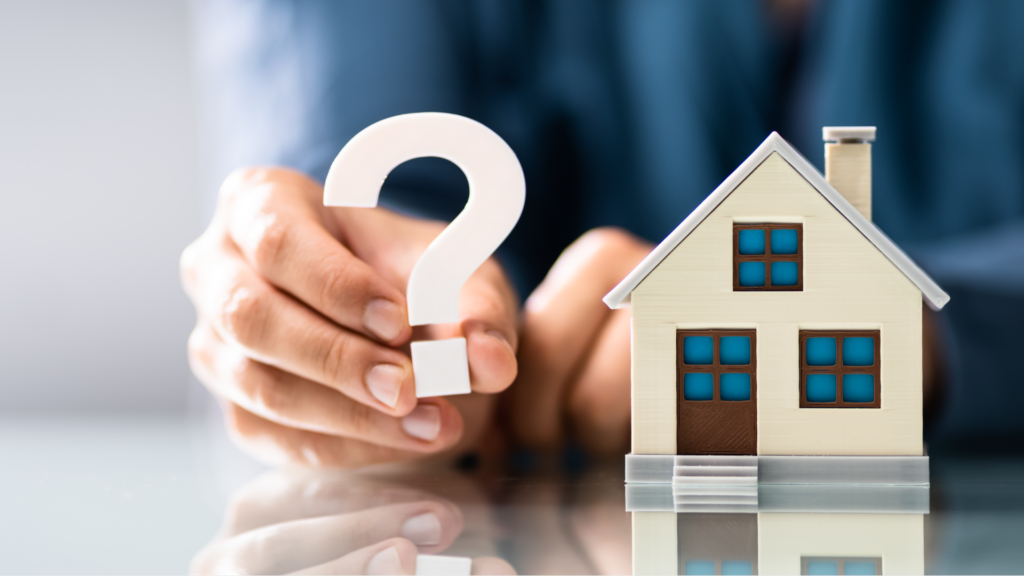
301 313
315 523
574 357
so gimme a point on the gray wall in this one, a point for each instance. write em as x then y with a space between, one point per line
99 183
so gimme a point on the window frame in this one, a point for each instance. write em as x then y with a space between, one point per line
839 369
841 561
768 257
716 368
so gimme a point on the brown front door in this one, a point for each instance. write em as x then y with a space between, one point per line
716 392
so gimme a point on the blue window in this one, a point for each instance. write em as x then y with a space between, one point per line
751 242
699 386
734 386
858 387
737 567
858 351
821 387
821 351
840 369
751 274
699 567
860 567
717 365
823 567
785 241
734 350
785 273
698 350
768 257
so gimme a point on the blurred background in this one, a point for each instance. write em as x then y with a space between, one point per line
100 176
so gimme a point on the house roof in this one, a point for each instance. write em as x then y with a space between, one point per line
932 293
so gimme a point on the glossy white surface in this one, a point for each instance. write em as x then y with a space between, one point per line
146 494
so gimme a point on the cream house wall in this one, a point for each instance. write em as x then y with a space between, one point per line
848 284
784 538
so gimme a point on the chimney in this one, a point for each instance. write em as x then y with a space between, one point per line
848 163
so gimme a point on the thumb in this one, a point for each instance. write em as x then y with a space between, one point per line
488 310
391 244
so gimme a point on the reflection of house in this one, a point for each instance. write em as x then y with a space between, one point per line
796 530
777 320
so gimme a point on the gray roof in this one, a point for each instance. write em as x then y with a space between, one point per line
932 293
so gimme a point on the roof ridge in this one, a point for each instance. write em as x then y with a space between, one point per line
774 143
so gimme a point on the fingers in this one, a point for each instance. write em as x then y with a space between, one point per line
561 320
397 556
394 556
427 526
488 304
276 221
282 495
272 327
276 444
599 398
296 402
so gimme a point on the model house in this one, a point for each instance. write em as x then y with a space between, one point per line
791 541
776 324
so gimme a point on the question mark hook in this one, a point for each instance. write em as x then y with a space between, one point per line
497 192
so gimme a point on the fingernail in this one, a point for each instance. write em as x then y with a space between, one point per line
385 383
424 422
386 561
423 530
383 318
499 337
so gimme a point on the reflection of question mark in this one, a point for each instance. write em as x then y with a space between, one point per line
497 191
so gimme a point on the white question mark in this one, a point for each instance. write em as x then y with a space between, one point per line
497 192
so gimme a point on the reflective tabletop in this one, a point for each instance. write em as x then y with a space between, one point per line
163 494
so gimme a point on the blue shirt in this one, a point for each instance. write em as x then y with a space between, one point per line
629 113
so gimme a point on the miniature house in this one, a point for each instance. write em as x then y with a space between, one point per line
777 323
794 541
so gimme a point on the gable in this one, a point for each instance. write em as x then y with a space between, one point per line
839 263
774 144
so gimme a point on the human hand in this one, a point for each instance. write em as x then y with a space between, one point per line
330 523
301 313
574 356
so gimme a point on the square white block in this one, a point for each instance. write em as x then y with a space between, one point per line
441 367
442 565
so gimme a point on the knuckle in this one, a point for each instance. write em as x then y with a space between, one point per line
244 314
238 181
610 239
269 236
267 395
332 363
338 278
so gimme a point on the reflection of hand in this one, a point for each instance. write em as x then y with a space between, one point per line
574 355
332 524
301 309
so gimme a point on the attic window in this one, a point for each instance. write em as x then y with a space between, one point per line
768 257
